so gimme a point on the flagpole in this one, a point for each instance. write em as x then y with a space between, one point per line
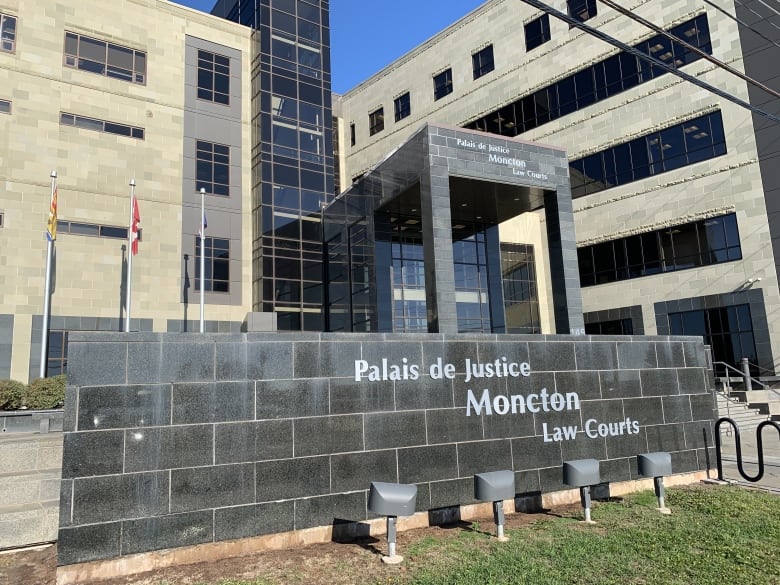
202 260
130 236
47 287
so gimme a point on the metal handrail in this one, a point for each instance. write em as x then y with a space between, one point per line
760 367
741 374
738 443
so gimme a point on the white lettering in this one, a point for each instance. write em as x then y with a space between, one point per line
484 402
361 367
501 404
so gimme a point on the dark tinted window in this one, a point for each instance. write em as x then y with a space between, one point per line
442 84
699 243
376 121
582 10
483 61
537 32
403 106
677 146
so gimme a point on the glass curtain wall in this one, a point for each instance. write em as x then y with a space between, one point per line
292 155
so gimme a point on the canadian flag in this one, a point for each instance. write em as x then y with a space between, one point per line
134 228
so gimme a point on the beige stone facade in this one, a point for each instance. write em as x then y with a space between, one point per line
731 182
94 170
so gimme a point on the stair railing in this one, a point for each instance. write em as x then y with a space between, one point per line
747 380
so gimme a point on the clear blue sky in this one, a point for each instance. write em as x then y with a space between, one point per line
366 35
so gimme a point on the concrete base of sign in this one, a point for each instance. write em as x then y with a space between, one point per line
140 563
502 538
665 511
394 560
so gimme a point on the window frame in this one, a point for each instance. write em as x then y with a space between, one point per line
6 107
62 357
716 241
206 158
376 121
137 73
442 84
539 37
105 126
483 61
575 8
402 106
210 260
3 18
215 72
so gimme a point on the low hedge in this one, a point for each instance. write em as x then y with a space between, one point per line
42 393
11 394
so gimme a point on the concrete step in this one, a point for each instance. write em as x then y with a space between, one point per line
746 417
765 401
22 489
23 525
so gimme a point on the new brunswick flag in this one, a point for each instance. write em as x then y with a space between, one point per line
51 226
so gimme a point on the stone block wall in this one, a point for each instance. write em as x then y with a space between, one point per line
181 439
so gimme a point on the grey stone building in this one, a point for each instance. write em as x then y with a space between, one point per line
671 185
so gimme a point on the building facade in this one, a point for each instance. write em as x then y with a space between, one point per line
292 156
671 184
104 93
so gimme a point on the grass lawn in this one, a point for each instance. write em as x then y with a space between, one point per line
719 535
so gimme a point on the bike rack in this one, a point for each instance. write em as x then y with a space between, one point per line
738 443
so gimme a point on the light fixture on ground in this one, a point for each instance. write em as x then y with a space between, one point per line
392 500
495 486
582 473
656 465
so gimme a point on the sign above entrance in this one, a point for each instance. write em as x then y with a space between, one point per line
494 152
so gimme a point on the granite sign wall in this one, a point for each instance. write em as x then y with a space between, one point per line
181 439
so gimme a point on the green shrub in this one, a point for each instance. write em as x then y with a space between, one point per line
45 393
11 394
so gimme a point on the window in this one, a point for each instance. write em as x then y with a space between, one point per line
612 327
5 107
683 144
582 10
595 83
92 229
537 32
67 119
376 121
700 243
2 217
213 168
483 61
352 134
442 84
521 298
403 106
104 58
213 77
216 264
57 353
7 33
727 330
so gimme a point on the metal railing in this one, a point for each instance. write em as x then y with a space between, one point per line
744 373
738 444
31 421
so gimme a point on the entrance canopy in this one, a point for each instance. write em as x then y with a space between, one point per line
392 239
